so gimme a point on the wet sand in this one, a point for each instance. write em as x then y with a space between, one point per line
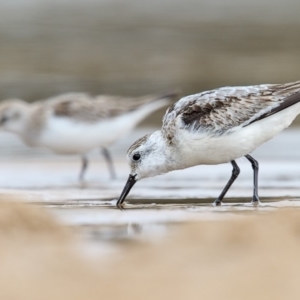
63 240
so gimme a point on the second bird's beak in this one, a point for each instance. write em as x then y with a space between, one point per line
129 184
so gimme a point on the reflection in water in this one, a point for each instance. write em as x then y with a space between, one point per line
139 230
147 221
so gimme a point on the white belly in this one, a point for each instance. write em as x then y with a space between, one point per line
63 135
202 149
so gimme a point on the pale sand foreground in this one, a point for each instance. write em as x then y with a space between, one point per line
253 257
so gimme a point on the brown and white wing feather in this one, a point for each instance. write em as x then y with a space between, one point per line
83 107
228 108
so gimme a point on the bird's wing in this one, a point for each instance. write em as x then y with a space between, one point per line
118 105
225 109
78 107
90 109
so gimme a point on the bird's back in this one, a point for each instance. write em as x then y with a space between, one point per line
225 109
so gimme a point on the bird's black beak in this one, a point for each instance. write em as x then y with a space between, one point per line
129 184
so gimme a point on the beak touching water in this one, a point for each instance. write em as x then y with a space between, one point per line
129 184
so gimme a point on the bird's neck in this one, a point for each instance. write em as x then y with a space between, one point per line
173 160
179 156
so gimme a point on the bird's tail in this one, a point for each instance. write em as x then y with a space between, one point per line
148 104
168 97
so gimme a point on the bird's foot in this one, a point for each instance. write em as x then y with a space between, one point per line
120 206
255 201
217 202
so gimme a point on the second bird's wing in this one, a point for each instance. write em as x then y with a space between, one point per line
92 109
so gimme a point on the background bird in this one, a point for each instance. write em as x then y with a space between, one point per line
76 123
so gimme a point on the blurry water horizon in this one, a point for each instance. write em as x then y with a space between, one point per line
138 47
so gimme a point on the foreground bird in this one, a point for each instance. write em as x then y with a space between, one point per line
214 127
77 123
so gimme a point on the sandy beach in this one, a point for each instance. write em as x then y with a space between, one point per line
247 257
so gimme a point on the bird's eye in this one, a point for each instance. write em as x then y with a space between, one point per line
3 120
136 156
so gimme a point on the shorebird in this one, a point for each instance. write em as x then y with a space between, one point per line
214 127
76 123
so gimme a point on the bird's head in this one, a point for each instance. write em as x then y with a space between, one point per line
13 114
148 156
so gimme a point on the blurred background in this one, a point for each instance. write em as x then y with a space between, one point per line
138 47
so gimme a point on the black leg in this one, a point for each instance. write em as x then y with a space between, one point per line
254 163
84 166
109 162
234 175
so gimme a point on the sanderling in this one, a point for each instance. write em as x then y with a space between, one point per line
76 123
214 127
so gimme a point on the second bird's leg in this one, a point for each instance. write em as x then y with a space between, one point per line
234 175
254 163
84 166
109 163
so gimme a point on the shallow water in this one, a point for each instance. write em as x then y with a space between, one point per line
155 205
143 218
